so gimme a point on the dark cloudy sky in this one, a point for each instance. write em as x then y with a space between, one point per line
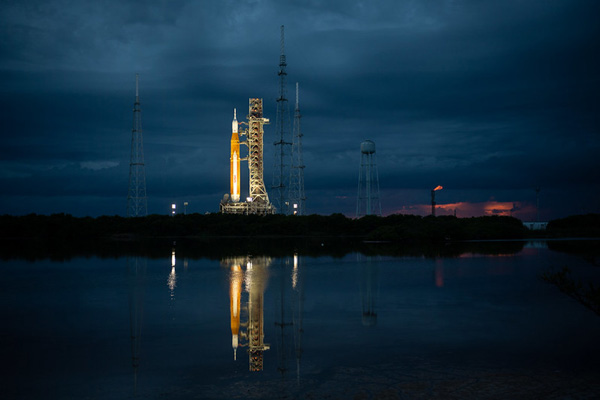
488 98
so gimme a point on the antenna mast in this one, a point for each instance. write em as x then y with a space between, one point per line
281 166
297 196
137 202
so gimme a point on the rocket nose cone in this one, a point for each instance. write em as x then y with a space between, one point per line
234 123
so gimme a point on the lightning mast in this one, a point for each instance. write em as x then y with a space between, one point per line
281 165
137 202
297 197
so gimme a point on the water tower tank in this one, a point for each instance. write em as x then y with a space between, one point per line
367 147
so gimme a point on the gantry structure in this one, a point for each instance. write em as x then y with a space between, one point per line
282 159
137 202
258 192
297 197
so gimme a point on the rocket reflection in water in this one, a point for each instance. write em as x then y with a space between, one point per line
255 280
236 278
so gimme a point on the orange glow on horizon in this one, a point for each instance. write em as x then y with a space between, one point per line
438 187
468 209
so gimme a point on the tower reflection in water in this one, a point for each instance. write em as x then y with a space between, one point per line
297 311
172 284
172 280
254 280
369 289
136 267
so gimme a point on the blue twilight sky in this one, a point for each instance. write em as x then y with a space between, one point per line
488 98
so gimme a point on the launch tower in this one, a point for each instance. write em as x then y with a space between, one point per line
281 168
297 197
258 200
137 202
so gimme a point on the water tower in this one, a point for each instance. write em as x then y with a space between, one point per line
368 182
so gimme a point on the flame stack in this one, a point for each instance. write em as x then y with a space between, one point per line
433 199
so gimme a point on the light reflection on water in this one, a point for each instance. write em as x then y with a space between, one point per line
295 326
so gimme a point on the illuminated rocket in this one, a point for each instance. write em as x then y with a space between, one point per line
235 160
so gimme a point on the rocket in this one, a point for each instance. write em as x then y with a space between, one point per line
235 160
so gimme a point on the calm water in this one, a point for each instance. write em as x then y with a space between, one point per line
310 327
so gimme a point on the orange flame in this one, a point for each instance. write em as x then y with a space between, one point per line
438 188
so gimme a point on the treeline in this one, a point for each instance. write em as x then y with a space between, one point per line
396 228
587 225
217 248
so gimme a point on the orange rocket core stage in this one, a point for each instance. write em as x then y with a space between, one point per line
234 163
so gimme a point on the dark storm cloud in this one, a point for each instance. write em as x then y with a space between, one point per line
487 98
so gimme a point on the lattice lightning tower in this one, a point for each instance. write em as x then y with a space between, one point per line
281 171
137 202
297 197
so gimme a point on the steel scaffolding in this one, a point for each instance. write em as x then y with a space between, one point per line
282 162
296 193
137 202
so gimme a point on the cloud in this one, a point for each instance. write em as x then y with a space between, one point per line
98 165
482 97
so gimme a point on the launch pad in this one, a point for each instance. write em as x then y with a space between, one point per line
258 200
246 208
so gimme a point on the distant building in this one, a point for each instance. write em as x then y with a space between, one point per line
535 226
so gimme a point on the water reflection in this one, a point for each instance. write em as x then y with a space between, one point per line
172 280
137 277
236 278
283 318
248 280
255 279
490 312
297 310
439 273
369 288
